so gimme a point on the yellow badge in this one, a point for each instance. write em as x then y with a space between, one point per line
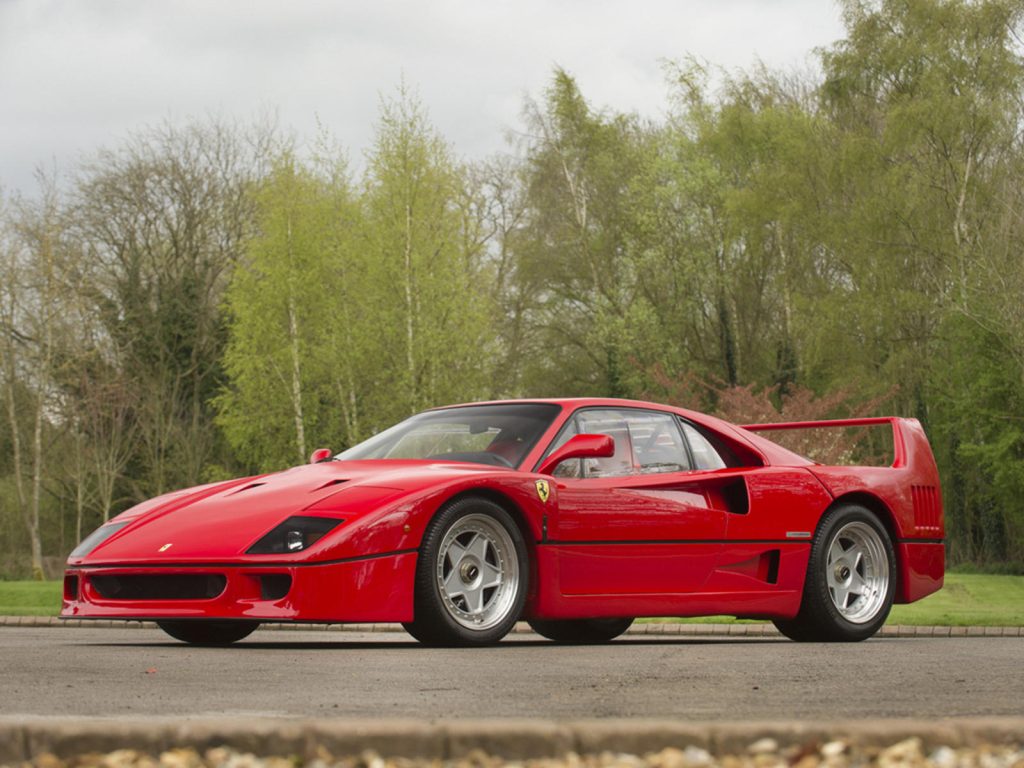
164 548
542 490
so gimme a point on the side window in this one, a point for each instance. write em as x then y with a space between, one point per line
645 443
658 445
613 424
704 454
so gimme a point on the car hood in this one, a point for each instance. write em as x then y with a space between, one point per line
217 522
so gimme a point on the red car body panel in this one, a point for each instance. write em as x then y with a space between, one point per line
728 541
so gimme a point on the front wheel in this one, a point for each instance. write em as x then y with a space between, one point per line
851 580
472 576
207 632
580 631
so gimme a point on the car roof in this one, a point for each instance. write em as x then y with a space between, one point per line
772 453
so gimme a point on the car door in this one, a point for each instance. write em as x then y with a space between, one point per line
641 521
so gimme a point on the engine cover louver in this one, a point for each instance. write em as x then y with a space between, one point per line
927 509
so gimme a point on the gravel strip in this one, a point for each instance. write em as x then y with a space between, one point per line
522 743
748 630
817 751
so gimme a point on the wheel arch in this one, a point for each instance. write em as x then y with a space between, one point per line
873 504
503 500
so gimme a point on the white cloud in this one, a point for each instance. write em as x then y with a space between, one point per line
78 74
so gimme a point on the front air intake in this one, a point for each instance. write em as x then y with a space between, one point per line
70 586
181 586
274 586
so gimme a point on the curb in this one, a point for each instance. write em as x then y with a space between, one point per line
22 741
689 630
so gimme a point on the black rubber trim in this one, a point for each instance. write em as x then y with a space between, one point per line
268 564
563 543
920 541
140 619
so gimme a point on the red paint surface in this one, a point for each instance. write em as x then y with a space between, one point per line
682 543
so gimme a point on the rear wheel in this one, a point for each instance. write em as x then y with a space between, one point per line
208 632
851 580
580 631
472 576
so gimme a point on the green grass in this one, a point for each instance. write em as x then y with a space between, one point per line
967 599
30 598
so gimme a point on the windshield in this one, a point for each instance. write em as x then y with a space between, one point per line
499 435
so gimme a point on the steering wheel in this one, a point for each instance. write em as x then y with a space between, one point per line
502 460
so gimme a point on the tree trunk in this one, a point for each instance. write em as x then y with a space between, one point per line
35 541
410 325
293 332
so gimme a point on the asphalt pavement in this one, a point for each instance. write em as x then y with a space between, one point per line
82 672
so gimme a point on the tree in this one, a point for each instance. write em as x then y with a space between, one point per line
289 301
164 219
425 270
37 282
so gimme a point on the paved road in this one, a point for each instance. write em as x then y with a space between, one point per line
139 672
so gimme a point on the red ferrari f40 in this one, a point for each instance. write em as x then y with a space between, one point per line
576 515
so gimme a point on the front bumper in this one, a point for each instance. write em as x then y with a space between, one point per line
377 588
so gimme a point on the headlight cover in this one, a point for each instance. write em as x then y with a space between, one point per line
294 535
97 537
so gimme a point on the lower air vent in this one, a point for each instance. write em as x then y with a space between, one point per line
184 586
771 566
274 586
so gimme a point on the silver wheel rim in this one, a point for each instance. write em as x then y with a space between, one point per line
478 572
857 572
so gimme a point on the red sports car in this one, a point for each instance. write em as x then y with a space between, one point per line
576 515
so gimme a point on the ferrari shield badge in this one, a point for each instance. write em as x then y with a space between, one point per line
542 490
164 548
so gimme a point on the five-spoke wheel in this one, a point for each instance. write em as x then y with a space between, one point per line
849 587
857 572
471 579
478 571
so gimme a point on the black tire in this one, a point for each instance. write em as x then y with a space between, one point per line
444 618
820 618
207 631
580 631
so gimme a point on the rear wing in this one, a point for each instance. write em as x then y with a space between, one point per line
909 490
907 434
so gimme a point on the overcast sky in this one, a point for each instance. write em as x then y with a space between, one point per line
79 74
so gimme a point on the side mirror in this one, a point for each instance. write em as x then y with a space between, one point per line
320 454
579 447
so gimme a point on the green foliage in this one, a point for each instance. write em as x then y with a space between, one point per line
286 302
356 307
429 314
848 242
